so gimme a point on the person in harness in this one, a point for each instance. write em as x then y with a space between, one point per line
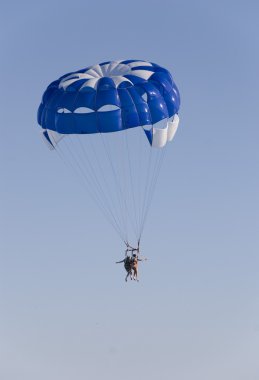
127 265
134 265
131 262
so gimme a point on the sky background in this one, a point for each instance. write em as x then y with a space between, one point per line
65 310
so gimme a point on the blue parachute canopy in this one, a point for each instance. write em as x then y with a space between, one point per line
111 97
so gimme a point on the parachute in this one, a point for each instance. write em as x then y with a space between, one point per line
111 123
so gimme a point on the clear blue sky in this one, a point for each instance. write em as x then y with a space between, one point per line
65 311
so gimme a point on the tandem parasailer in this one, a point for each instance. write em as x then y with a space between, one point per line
110 123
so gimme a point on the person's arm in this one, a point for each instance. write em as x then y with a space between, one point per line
118 262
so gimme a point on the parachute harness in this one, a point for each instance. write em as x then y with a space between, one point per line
132 249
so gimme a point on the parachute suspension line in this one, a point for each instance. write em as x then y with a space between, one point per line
133 187
120 170
130 186
125 189
86 181
124 183
103 203
158 155
135 155
96 179
107 185
144 194
67 163
87 185
116 181
104 188
75 170
150 190
61 157
153 185
140 177
91 177
121 215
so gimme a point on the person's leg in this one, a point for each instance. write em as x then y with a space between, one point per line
136 272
